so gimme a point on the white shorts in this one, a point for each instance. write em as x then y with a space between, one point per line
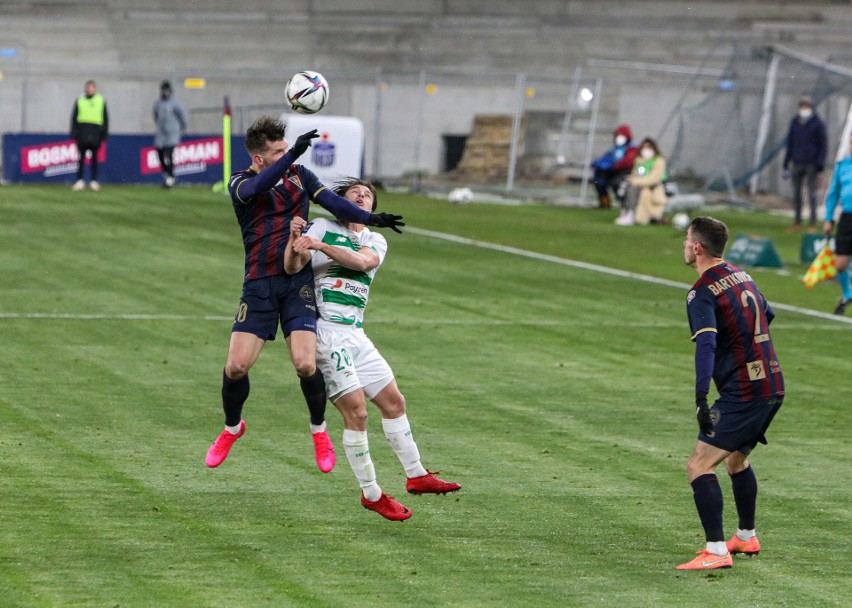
348 360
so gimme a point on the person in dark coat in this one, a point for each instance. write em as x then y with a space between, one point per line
805 159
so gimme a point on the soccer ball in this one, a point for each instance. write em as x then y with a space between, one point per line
460 195
307 92
680 221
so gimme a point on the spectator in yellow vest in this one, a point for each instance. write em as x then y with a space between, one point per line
89 128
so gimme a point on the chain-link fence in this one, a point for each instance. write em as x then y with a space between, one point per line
721 128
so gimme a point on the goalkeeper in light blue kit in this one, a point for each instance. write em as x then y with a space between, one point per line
841 191
345 257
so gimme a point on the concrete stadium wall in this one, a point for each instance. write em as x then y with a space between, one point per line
472 49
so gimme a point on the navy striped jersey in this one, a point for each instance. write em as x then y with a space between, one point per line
725 300
265 218
265 203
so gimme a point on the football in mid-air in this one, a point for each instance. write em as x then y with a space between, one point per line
680 221
307 92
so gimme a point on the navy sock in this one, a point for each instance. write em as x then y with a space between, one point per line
313 389
234 394
708 500
744 485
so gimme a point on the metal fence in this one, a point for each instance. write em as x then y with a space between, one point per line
720 127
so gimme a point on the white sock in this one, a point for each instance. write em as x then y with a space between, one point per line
233 430
746 534
399 435
718 548
357 450
317 428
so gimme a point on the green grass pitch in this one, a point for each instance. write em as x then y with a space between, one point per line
560 397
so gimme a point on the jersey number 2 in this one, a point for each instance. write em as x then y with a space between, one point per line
759 336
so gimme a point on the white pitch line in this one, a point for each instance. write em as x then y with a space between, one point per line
448 322
111 317
605 270
454 239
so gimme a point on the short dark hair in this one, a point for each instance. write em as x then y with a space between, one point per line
711 233
342 187
262 131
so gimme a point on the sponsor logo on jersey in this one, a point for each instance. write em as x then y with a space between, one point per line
359 289
690 296
756 370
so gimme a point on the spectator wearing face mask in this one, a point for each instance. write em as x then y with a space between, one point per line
646 197
805 159
613 166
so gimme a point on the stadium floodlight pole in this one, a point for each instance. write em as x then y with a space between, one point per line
520 86
587 161
765 115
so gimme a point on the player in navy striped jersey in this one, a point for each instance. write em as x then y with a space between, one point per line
729 319
266 197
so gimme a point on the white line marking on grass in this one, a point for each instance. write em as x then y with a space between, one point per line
604 269
469 322
111 317
461 241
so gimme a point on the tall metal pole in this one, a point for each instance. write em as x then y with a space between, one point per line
418 132
520 86
765 115
590 141
566 121
377 127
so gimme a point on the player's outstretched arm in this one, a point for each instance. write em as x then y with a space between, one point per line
387 220
266 179
341 208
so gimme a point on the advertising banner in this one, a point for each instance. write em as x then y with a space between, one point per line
128 159
339 150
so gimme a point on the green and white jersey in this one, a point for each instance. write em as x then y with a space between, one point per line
342 293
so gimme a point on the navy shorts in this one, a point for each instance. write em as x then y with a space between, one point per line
282 299
843 236
738 426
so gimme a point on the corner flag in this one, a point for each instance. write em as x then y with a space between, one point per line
821 269
226 147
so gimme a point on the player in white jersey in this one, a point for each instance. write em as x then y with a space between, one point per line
345 258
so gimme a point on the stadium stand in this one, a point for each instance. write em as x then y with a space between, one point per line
648 55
